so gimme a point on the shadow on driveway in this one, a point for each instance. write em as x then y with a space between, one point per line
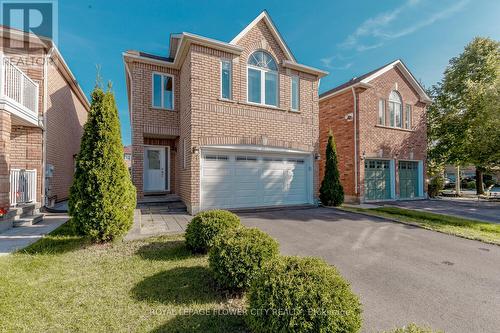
402 273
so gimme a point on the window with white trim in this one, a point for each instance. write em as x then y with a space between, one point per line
262 79
185 153
395 109
295 93
163 91
408 117
225 78
381 112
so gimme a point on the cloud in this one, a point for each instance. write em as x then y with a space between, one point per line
328 63
375 31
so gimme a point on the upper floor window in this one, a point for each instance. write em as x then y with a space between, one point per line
163 91
381 112
226 78
262 79
408 117
395 109
295 93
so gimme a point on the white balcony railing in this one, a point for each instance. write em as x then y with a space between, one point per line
18 91
22 186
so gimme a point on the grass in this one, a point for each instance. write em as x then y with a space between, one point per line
471 229
64 283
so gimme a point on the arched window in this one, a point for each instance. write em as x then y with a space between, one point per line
395 109
262 83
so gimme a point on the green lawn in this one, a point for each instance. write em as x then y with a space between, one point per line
472 229
63 283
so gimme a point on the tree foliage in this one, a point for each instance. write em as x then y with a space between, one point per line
331 192
464 120
102 197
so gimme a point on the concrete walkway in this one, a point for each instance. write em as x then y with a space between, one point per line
18 238
156 221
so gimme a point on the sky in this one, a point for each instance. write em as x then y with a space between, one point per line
345 38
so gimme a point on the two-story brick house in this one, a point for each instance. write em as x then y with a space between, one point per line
379 125
42 112
225 125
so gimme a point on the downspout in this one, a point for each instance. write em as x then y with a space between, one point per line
355 141
44 127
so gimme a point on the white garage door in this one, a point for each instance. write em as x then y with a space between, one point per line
236 180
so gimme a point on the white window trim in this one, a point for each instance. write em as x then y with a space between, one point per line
298 92
230 79
263 86
407 123
400 110
162 107
381 100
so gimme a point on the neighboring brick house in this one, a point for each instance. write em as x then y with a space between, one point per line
42 112
379 124
225 125
127 156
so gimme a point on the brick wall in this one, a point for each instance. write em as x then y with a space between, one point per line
373 141
65 118
394 143
332 116
147 121
202 118
26 141
215 121
183 174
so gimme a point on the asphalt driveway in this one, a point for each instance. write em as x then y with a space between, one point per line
402 273
472 209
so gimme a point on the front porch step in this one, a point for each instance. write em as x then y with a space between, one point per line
162 207
25 210
159 200
27 220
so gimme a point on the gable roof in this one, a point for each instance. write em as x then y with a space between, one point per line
264 16
364 81
179 46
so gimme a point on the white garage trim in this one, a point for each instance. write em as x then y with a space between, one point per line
250 171
258 149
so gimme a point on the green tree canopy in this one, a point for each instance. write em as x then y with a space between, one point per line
465 116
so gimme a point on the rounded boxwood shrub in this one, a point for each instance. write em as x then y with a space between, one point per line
238 255
206 226
295 294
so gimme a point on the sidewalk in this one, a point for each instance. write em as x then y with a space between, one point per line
18 238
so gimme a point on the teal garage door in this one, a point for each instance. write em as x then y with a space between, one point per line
408 179
377 180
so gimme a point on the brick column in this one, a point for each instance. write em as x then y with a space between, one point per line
5 128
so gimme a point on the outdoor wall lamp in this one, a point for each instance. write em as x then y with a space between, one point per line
196 150
363 156
317 157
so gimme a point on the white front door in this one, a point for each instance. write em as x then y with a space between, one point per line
155 169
